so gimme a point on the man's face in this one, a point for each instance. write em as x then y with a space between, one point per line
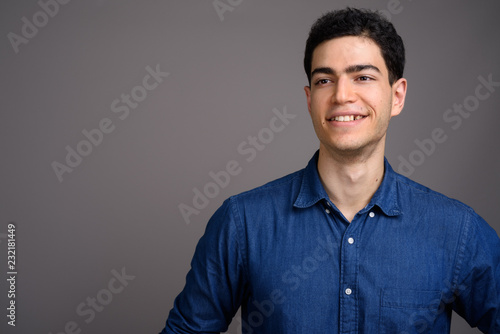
350 99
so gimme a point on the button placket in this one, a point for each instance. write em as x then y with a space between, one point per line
349 273
328 208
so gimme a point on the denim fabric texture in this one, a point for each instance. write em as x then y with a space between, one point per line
290 259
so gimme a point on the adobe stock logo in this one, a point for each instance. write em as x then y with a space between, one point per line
95 137
221 179
454 116
394 7
292 279
222 6
97 303
40 19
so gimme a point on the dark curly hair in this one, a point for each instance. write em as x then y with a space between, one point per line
363 23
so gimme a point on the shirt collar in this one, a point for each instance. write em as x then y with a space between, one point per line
386 197
312 190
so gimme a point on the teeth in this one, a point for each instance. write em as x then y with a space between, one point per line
346 118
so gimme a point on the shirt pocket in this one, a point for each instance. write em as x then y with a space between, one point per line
408 311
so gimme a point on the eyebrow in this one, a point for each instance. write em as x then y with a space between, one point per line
350 69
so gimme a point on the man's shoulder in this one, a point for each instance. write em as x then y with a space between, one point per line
285 185
416 193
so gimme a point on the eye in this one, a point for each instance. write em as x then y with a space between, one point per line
323 81
364 78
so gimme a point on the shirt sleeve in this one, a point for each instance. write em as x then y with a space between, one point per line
478 280
215 285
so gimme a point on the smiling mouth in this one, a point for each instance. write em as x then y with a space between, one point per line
347 118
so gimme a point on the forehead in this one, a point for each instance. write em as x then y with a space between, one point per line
342 52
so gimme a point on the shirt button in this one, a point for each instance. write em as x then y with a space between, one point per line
327 211
350 240
372 214
348 291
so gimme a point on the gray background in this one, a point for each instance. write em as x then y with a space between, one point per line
119 207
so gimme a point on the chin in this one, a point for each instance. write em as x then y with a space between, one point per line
345 149
349 146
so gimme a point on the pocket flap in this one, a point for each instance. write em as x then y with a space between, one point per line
416 299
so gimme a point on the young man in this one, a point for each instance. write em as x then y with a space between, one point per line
345 245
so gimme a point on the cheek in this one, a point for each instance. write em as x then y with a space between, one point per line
319 96
379 105
315 109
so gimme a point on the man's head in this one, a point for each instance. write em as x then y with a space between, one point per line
354 61
362 23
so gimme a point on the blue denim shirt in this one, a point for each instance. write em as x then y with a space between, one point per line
289 257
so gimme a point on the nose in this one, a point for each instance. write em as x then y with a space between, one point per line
344 91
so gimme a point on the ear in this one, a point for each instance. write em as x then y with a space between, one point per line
307 89
398 96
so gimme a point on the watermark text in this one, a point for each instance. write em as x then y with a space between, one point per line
249 149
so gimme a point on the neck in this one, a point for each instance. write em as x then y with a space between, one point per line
350 181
